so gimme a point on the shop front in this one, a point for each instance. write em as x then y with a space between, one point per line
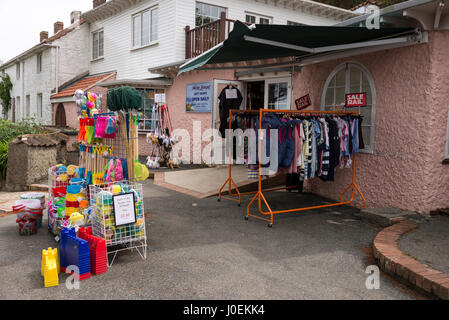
400 71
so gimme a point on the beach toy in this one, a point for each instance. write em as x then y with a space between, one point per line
79 94
84 204
116 189
77 219
73 189
50 267
74 251
71 170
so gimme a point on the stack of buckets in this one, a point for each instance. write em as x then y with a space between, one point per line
76 193
29 213
36 196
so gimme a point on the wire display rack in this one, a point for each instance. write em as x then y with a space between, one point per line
118 238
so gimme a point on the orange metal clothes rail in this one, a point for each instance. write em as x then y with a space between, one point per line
237 195
259 195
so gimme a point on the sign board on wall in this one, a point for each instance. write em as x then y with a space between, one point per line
124 209
199 97
159 98
355 100
303 102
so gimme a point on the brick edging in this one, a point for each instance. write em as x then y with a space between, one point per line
393 261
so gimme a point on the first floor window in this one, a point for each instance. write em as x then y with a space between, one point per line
39 63
39 105
206 13
97 44
149 121
352 78
145 27
253 18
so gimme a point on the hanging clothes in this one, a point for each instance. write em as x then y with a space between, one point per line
230 98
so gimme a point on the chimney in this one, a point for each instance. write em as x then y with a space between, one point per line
43 35
98 3
59 26
75 16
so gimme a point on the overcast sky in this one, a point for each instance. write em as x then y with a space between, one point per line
21 21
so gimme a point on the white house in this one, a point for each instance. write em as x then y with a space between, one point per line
39 72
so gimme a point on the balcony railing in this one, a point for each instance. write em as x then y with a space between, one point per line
207 36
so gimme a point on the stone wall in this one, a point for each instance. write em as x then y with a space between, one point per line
29 158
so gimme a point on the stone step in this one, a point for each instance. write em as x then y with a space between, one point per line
386 217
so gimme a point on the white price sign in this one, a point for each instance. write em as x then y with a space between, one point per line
159 98
124 209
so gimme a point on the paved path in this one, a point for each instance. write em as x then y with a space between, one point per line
429 243
201 249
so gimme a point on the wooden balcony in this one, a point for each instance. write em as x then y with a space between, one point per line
207 36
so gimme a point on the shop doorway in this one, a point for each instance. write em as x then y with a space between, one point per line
218 156
255 95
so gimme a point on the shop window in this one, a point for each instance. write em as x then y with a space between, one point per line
148 122
352 78
206 13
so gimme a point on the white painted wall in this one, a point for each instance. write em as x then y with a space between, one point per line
174 16
118 53
73 60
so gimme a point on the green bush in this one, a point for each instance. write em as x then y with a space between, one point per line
3 158
9 131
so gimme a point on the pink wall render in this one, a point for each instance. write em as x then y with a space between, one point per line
176 98
437 174
405 171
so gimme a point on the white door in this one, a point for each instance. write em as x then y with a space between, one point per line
219 85
278 93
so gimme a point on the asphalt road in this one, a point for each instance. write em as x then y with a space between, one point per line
202 249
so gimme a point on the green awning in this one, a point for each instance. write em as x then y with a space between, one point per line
277 41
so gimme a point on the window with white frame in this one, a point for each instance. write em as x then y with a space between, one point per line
206 13
352 78
254 18
18 71
293 23
39 105
97 44
39 63
18 106
148 122
145 27
28 105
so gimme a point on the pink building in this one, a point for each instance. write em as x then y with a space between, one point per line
406 160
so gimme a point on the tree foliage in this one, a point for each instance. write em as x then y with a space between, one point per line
5 93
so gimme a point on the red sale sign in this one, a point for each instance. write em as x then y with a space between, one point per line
303 102
355 100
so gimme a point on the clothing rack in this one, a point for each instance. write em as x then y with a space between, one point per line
259 194
230 181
